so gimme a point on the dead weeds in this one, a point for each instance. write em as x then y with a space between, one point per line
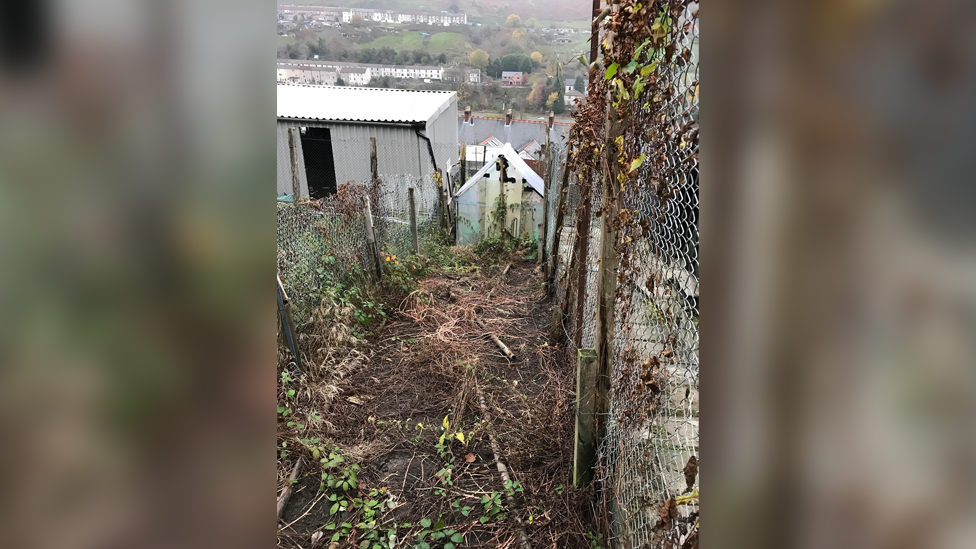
387 404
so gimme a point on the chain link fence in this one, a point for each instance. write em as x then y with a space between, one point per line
322 240
648 455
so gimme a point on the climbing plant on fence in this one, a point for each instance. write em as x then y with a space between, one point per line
631 289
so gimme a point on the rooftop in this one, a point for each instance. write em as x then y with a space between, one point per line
520 133
341 103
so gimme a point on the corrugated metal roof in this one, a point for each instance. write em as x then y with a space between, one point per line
353 104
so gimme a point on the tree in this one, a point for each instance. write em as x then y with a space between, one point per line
579 85
535 97
357 20
340 81
478 59
531 23
442 58
518 35
513 21
552 99
537 57
518 62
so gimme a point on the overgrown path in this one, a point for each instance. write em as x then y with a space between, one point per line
407 423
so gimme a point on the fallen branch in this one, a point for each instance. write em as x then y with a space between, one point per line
505 272
289 488
502 469
508 352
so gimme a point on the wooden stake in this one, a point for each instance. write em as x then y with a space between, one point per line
374 249
373 162
584 449
413 221
289 488
464 163
508 352
296 186
502 469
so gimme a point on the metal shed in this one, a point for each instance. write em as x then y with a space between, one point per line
416 132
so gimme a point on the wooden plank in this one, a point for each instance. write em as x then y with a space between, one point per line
584 450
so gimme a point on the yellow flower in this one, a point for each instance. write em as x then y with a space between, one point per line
387 258
397 262
394 257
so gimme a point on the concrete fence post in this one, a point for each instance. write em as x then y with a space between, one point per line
584 448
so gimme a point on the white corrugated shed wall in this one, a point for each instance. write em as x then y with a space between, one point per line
396 151
443 134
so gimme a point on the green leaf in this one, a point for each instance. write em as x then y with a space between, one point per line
330 526
483 520
438 525
640 48
336 536
649 69
630 67
424 545
582 60
335 507
637 162
611 70
457 538
448 546
425 522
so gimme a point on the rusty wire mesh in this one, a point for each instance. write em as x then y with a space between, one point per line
648 456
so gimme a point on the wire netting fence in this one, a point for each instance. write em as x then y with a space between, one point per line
322 239
648 455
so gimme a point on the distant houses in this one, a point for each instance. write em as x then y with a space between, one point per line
307 71
325 14
511 78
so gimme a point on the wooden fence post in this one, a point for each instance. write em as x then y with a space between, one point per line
373 163
464 163
442 210
542 241
412 204
296 186
374 249
606 291
584 448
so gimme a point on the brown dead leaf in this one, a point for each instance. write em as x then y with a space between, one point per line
355 400
469 458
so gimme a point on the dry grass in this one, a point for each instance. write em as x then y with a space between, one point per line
423 366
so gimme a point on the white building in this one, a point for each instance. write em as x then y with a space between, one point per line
417 72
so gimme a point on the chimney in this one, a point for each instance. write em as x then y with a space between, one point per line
508 117
467 113
552 117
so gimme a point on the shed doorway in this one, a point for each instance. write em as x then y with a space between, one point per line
319 162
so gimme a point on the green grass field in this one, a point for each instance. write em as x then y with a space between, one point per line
405 41
447 42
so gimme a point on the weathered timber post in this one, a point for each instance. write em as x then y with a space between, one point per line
288 324
559 314
541 241
373 163
412 204
441 198
584 447
296 186
502 207
374 249
606 292
464 163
